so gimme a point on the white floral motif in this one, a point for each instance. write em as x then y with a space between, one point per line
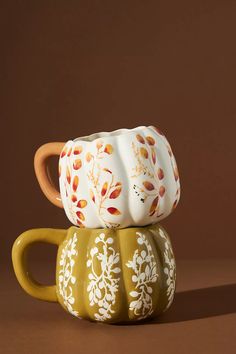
103 286
145 274
66 279
169 270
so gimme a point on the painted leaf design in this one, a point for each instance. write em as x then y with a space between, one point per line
108 149
144 152
153 206
175 203
77 164
80 223
73 198
64 151
69 152
75 183
160 173
68 176
92 196
176 173
82 203
150 140
89 157
140 139
148 185
115 194
113 211
107 170
104 189
80 215
78 149
99 144
162 191
154 157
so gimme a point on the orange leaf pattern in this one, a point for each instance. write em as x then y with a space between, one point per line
77 164
150 140
108 149
77 150
104 186
148 185
64 152
113 211
75 183
80 215
154 205
153 189
71 183
92 196
69 152
73 198
82 203
154 157
115 194
144 152
162 191
160 173
140 139
89 157
68 175
104 189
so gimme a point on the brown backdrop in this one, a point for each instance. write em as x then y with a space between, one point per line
71 68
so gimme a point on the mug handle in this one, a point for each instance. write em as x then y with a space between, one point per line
20 262
42 174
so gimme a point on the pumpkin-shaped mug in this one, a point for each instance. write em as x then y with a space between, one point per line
124 178
107 275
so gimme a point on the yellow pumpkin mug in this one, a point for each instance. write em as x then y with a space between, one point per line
107 275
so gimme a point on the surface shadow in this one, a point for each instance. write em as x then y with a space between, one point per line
200 303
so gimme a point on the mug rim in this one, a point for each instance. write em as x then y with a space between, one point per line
115 133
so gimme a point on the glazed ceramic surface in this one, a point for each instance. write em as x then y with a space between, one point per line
104 275
118 179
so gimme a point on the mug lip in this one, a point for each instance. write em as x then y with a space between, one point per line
115 133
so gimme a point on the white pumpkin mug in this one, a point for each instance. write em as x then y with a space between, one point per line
123 178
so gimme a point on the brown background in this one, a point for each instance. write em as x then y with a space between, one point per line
71 68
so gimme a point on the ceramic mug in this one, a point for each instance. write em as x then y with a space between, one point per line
107 275
124 178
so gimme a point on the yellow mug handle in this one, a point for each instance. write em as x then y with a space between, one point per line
20 264
41 170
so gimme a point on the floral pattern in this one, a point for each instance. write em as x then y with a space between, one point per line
152 187
146 165
173 164
97 174
169 269
66 277
144 276
104 283
71 183
104 186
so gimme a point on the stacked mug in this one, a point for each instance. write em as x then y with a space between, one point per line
116 263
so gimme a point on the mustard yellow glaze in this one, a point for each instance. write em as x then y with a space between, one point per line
107 275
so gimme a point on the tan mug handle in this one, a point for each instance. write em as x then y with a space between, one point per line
42 174
20 262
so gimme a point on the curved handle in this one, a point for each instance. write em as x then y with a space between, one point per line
41 171
19 258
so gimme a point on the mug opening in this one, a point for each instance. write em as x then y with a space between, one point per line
92 137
